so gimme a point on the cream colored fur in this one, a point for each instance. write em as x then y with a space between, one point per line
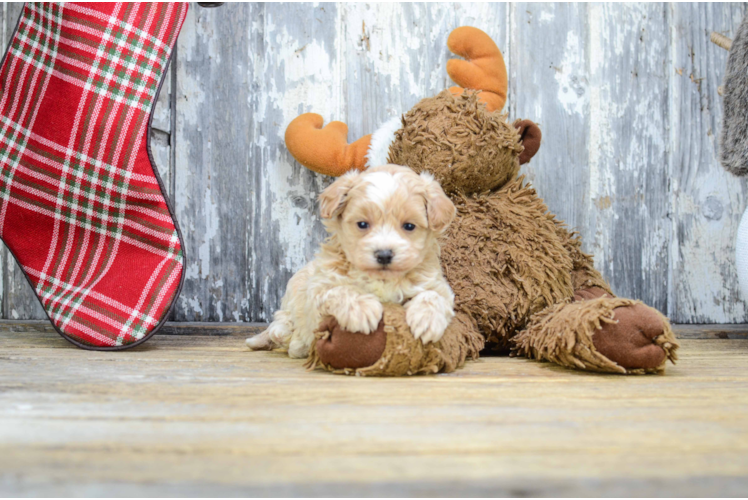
381 140
346 281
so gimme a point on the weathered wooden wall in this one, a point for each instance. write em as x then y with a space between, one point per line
626 95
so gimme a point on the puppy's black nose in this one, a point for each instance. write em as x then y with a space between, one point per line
384 257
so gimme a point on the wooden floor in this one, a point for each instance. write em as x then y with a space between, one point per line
200 415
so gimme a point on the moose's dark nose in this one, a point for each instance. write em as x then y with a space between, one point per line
384 257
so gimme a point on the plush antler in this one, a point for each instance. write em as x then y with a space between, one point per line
325 150
484 68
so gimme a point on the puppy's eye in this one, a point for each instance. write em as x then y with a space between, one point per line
362 225
408 226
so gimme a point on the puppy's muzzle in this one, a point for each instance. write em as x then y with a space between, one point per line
384 257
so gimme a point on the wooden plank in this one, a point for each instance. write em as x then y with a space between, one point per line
301 73
6 275
244 330
212 125
629 228
707 201
617 100
710 331
161 133
5 32
248 211
506 487
202 414
549 82
396 54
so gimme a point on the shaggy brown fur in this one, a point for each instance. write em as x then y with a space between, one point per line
519 276
465 147
565 334
584 275
402 354
524 265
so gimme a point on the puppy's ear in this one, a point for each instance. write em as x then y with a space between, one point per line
333 199
439 208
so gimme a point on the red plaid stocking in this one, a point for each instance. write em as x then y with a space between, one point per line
82 207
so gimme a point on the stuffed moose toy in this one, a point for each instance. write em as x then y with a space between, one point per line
522 284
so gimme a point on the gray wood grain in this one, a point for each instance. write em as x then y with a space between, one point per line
247 329
549 84
629 231
707 201
161 133
246 209
625 95
394 55
199 415
211 170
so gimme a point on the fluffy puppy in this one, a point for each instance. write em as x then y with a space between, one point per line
383 225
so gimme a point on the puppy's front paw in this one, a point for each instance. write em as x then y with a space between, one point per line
361 313
426 325
428 316
260 342
298 349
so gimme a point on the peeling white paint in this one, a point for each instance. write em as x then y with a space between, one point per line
368 62
219 309
192 271
194 303
597 131
571 88
309 82
207 247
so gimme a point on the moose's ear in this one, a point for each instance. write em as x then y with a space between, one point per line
530 137
333 199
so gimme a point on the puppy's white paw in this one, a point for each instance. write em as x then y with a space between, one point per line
277 334
298 349
260 342
428 316
360 314
426 325
280 333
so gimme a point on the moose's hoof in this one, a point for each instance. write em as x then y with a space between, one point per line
343 349
632 340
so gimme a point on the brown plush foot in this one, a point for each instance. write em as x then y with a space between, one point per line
343 349
631 340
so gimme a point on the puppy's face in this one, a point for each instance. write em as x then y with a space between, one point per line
386 218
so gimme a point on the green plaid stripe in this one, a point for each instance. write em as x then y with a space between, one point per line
92 196
125 68
56 154
136 322
14 137
36 35
49 281
64 298
106 207
65 304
